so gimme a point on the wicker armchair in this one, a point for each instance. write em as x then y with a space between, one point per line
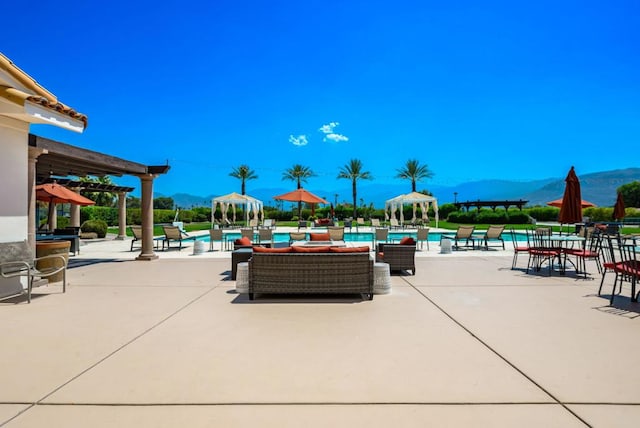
398 256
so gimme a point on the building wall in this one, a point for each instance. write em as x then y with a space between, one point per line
14 154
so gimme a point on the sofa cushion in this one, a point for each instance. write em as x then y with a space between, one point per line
258 249
318 249
363 249
407 240
319 237
243 241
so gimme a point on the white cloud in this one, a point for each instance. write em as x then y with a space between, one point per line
328 128
336 138
300 140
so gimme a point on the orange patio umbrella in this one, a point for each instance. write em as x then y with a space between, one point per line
57 194
618 209
301 195
558 203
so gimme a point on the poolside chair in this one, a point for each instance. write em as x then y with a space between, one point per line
297 236
464 233
517 248
136 231
359 222
269 222
302 224
381 235
174 234
423 236
336 233
628 268
375 222
541 250
609 249
265 236
394 223
247 232
493 233
215 235
253 223
590 251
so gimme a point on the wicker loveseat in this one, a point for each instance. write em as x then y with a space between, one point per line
398 256
311 273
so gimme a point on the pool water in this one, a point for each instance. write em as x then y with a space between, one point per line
368 236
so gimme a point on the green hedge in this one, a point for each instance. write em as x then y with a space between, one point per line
97 226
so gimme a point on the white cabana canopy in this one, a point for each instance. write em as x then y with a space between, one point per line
414 198
231 200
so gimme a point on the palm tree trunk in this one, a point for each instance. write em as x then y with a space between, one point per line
355 195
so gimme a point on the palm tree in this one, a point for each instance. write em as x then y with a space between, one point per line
353 171
299 174
244 173
415 172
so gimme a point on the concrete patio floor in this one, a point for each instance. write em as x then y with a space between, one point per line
465 342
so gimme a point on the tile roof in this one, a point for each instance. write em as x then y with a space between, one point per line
40 95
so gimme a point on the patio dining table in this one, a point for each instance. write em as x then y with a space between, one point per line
564 243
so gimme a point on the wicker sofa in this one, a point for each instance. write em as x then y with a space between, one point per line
311 273
398 256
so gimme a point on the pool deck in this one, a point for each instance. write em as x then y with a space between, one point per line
466 342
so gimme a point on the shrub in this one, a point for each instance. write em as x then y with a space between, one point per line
487 216
517 217
97 226
62 222
544 213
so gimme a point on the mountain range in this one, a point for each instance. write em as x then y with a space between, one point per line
599 188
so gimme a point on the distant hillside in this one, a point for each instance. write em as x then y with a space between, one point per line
599 188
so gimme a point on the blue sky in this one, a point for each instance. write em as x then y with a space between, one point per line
475 90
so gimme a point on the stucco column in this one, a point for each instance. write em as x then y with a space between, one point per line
31 228
146 211
75 211
122 215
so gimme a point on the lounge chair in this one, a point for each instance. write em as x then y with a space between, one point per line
493 233
253 223
394 223
359 222
136 231
174 234
375 222
464 233
269 223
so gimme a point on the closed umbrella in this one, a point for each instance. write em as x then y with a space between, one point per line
618 209
571 209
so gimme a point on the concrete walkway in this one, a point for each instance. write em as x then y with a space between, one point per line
465 342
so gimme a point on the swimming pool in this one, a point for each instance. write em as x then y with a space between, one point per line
367 236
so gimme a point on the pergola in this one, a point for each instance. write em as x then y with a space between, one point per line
51 160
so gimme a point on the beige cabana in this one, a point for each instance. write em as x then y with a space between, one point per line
231 200
417 200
